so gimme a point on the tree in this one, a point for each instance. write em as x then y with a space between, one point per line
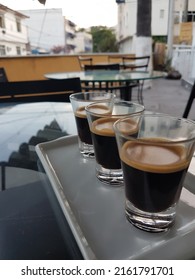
143 38
144 13
185 12
104 39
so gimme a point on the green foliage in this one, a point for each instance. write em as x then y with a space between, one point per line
160 39
104 39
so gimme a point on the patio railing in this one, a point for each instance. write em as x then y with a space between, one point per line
184 61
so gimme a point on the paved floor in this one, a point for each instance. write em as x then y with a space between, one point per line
167 96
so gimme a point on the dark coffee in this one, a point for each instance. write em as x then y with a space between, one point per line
83 126
104 142
153 174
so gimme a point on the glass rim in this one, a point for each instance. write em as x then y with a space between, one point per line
145 140
74 95
142 108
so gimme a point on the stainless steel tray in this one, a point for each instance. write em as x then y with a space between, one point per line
96 215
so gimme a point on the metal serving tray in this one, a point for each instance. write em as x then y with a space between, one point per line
95 211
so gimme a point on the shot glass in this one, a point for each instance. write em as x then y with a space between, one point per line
101 117
79 101
155 161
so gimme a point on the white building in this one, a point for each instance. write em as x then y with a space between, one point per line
83 42
51 32
46 29
40 31
13 32
70 31
127 19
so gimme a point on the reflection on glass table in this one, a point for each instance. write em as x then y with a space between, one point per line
24 126
32 225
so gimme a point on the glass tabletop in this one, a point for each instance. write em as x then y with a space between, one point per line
32 224
108 75
27 124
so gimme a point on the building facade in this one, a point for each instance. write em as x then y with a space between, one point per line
70 34
52 33
83 42
127 19
13 32
46 30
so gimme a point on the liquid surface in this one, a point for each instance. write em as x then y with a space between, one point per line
100 109
154 158
80 112
128 127
104 126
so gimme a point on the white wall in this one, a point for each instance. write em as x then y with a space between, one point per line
160 21
45 28
127 21
83 42
11 38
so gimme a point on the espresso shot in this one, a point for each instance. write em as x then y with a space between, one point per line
101 117
79 101
153 175
105 145
83 126
155 162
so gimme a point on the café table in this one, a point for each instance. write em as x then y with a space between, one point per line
32 224
124 79
52 206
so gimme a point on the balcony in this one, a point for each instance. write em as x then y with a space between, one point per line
34 67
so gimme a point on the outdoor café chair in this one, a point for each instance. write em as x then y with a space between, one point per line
189 102
39 90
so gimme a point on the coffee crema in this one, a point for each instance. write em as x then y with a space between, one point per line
100 109
157 158
80 112
104 126
128 127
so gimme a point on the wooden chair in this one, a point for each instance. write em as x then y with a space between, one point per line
115 58
3 76
85 61
137 63
189 102
39 90
109 66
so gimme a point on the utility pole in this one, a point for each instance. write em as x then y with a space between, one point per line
170 29
185 12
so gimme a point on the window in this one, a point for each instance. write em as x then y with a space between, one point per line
2 50
18 50
18 25
162 13
191 16
2 22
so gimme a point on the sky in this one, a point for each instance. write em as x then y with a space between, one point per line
84 13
